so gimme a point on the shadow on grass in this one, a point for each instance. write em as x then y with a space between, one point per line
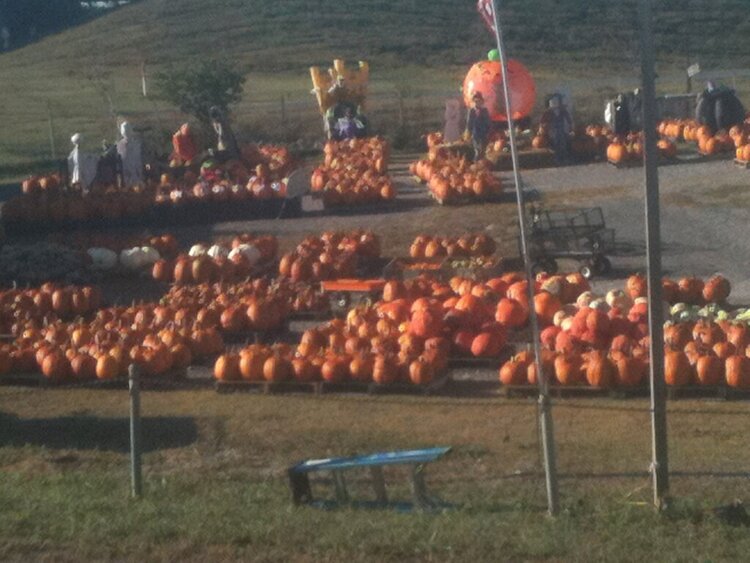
95 433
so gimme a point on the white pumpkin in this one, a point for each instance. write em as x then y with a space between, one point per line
585 298
149 255
618 298
132 259
567 324
559 317
197 250
250 252
217 251
102 258
554 285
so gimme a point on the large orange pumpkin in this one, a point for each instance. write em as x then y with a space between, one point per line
677 369
511 313
227 368
709 370
600 372
568 369
737 370
546 305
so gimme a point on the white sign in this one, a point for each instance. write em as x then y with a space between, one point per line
693 69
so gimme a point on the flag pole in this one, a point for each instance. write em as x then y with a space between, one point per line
660 459
545 406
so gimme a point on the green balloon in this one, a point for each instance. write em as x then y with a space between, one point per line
493 55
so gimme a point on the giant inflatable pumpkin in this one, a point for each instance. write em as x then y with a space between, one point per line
486 77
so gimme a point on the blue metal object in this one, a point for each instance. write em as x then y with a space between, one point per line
302 492
385 458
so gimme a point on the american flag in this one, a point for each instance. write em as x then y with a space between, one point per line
484 7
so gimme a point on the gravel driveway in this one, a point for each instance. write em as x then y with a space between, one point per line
704 215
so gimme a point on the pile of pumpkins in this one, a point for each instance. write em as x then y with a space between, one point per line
44 199
332 255
228 261
23 308
407 336
709 143
262 173
603 341
71 206
630 148
451 178
354 172
465 246
587 143
257 305
104 347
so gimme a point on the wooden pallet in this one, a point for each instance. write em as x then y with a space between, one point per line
327 387
573 391
172 380
745 164
638 163
721 392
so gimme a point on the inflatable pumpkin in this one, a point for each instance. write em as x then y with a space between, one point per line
486 77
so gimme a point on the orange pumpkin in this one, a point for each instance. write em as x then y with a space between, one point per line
600 372
677 369
568 369
709 370
737 371
227 368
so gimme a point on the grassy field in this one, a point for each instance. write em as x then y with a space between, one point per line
82 79
216 485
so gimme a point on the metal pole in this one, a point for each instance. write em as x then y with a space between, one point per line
136 481
545 407
660 465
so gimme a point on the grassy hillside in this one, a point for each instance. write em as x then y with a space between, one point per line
418 49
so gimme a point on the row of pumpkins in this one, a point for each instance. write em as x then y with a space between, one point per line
709 143
332 255
469 245
452 178
44 198
407 336
354 172
47 304
604 342
630 147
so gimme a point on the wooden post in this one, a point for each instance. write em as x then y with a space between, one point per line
659 464
545 407
283 114
136 481
400 109
143 80
51 123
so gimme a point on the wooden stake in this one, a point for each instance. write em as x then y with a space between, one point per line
136 481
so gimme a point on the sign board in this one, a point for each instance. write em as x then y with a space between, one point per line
298 184
693 69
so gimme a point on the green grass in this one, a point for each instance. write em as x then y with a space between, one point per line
417 48
215 484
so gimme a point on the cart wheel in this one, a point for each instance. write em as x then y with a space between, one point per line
548 265
602 265
340 303
586 271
